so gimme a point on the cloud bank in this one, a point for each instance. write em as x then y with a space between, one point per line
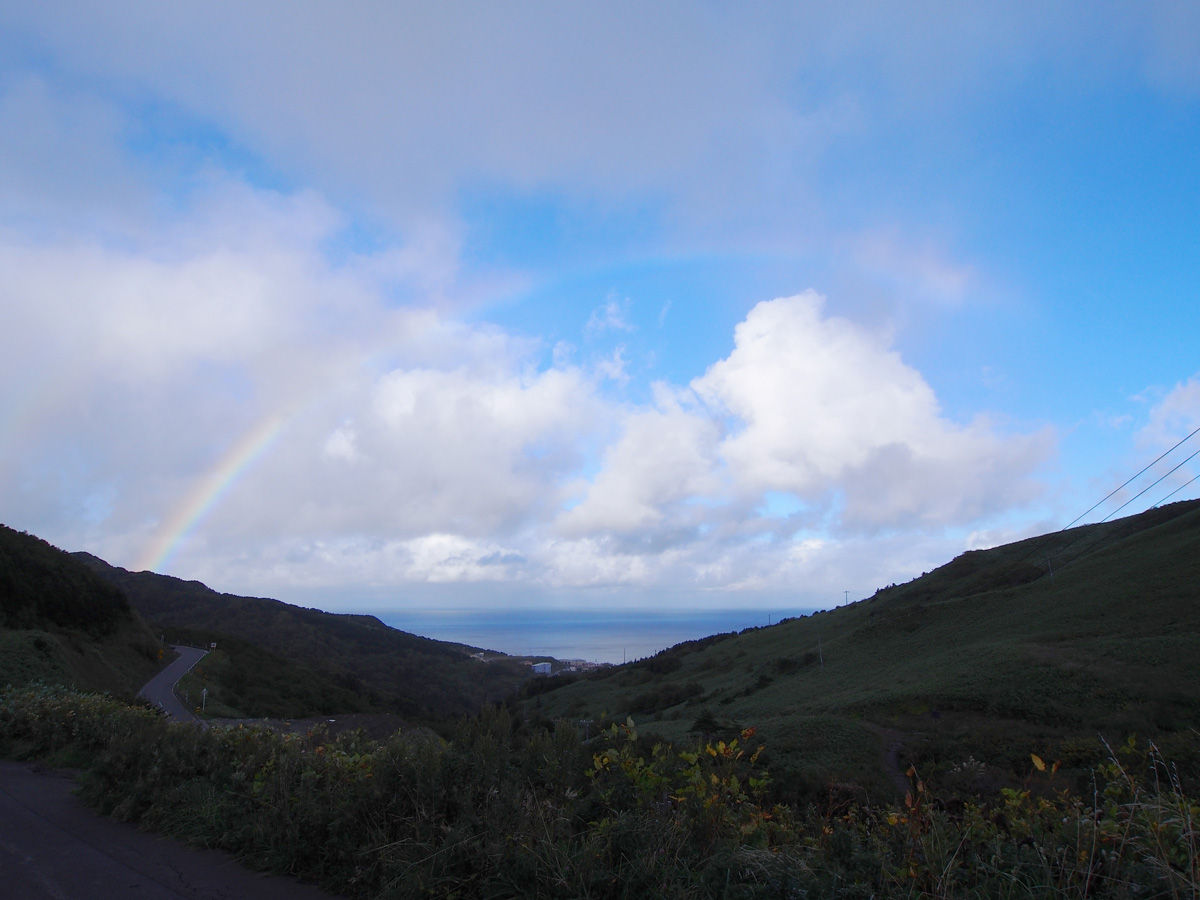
233 401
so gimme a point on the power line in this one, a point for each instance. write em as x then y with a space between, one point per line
1143 490
1077 538
1135 477
1177 490
1040 546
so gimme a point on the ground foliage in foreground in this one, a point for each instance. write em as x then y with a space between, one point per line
500 811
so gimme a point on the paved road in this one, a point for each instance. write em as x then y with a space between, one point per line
52 847
161 688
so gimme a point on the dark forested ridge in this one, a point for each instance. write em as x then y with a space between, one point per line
43 587
388 668
61 622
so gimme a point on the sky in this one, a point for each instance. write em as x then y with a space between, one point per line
643 305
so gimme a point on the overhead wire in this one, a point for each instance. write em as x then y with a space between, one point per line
1143 490
1177 490
1041 546
1134 478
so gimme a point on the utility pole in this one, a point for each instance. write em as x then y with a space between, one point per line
847 596
820 651
1050 568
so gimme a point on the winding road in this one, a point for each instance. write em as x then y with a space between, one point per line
160 690
52 847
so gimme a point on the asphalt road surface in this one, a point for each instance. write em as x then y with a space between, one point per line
161 688
52 847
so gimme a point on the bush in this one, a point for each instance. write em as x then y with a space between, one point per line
533 812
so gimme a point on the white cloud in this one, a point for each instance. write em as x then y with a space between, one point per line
612 316
1169 430
141 366
663 459
808 406
613 368
342 444
818 405
418 447
1175 416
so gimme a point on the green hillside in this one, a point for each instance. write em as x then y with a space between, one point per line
60 623
383 667
964 671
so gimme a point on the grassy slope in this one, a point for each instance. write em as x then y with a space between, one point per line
245 681
60 623
984 658
387 668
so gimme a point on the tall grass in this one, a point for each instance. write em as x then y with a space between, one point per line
502 810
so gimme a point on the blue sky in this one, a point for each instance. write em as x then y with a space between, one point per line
568 304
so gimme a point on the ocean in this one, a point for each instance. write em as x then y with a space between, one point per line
597 635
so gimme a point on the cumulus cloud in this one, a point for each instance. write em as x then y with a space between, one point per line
806 406
662 462
816 404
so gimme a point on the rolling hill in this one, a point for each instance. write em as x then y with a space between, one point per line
371 665
62 624
1043 646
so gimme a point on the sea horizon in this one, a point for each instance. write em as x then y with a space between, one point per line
594 635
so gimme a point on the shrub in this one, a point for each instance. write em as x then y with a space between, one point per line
533 812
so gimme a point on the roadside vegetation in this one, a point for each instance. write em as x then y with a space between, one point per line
506 810
245 681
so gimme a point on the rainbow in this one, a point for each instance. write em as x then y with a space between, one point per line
208 491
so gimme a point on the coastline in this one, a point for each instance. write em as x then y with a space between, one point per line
595 635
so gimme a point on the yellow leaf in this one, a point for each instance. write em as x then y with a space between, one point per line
1037 762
